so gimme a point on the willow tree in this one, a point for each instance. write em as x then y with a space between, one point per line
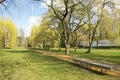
65 11
33 34
117 22
8 33
97 10
44 36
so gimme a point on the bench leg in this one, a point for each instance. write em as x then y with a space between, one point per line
105 70
90 66
101 69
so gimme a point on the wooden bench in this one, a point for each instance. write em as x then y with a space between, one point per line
89 64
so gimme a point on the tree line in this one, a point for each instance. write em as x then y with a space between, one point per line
68 22
9 37
75 20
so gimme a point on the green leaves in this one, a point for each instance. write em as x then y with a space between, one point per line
8 33
44 35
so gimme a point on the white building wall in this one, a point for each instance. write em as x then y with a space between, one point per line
101 43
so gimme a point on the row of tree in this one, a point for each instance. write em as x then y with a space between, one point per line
44 36
75 19
9 37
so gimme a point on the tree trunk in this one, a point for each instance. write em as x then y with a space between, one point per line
59 48
90 44
43 46
60 45
91 40
3 44
89 25
76 45
67 48
76 41
97 44
75 48
89 50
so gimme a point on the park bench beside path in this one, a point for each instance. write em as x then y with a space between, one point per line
90 64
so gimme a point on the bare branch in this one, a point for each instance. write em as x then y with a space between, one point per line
1 1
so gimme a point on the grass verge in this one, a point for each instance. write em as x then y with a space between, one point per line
24 64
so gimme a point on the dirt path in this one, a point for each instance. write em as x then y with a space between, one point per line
70 59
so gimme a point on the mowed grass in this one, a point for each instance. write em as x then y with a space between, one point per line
24 64
109 55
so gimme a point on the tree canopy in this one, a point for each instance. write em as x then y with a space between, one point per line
91 18
8 33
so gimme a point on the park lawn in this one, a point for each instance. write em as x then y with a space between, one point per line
109 55
25 64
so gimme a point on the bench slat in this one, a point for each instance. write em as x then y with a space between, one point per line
110 67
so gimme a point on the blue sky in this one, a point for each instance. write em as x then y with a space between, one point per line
24 13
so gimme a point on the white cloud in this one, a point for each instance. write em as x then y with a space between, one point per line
44 5
58 3
32 20
117 3
117 6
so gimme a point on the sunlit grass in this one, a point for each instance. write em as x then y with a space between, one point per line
24 64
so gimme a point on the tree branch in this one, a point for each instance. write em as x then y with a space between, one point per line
1 1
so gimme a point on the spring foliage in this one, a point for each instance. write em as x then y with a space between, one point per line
44 36
8 33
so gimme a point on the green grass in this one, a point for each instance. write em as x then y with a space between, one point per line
109 55
24 64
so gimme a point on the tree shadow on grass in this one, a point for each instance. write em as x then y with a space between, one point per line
88 69
56 51
50 50
19 51
34 57
52 61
